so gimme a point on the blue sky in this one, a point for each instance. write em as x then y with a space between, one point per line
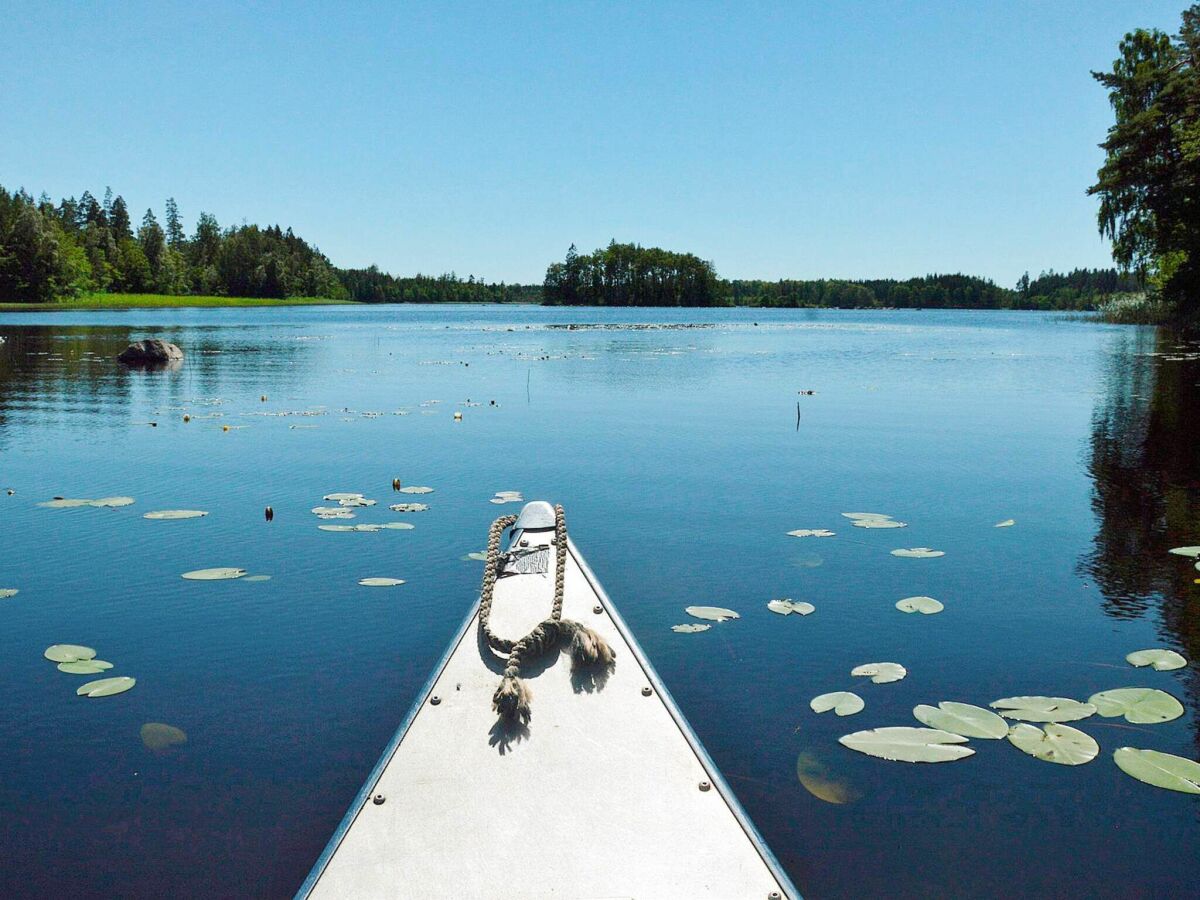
776 139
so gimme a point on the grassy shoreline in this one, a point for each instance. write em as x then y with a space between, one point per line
164 301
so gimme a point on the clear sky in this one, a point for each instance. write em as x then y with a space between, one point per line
803 139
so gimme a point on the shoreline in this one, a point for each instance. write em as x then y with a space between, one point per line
167 301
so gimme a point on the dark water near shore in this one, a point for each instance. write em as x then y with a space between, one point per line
678 456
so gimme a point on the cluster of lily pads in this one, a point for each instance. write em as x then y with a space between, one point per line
507 497
75 659
347 502
103 502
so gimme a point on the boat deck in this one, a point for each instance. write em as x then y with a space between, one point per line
605 794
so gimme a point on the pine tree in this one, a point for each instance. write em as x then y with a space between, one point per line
175 236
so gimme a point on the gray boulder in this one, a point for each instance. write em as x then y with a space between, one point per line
150 352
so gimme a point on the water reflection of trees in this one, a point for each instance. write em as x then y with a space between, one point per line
1145 466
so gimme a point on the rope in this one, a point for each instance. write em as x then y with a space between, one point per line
512 697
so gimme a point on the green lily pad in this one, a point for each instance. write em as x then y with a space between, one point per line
175 514
355 501
880 673
843 703
64 503
332 512
398 526
61 653
1162 770
159 736
112 501
380 582
1193 552
715 613
786 607
1160 659
213 574
919 553
337 527
924 605
1043 709
1142 706
1055 743
690 628
862 517
409 507
1007 523
5 593
340 496
812 532
879 523
106 687
368 527
816 778
962 718
416 490
905 744
84 666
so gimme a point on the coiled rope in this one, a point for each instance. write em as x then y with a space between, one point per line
512 697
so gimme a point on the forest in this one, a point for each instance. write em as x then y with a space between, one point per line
50 251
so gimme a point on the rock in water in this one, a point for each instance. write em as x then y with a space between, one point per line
150 352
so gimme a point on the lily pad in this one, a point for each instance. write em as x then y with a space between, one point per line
881 673
1164 770
818 780
398 526
477 555
380 582
332 512
5 593
337 528
1007 523
409 507
812 532
919 553
342 495
111 501
84 666
64 503
690 628
159 736
355 501
1193 552
416 490
924 605
905 744
213 574
962 718
843 703
862 517
1142 706
879 523
175 514
715 613
61 653
253 579
1043 709
786 607
106 687
1161 660
1055 743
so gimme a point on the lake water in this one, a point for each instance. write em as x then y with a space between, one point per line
681 463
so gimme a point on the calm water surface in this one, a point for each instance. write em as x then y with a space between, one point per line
678 456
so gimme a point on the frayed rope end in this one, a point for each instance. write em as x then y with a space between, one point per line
588 648
511 700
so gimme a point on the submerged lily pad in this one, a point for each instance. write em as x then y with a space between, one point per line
843 703
175 514
904 744
62 653
919 553
881 673
159 736
106 687
816 778
1007 523
416 490
1055 743
715 613
5 593
256 578
924 605
213 574
812 532
84 666
1043 709
1142 706
786 607
1160 659
690 628
962 718
380 582
1162 770
1193 552
477 555
409 507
